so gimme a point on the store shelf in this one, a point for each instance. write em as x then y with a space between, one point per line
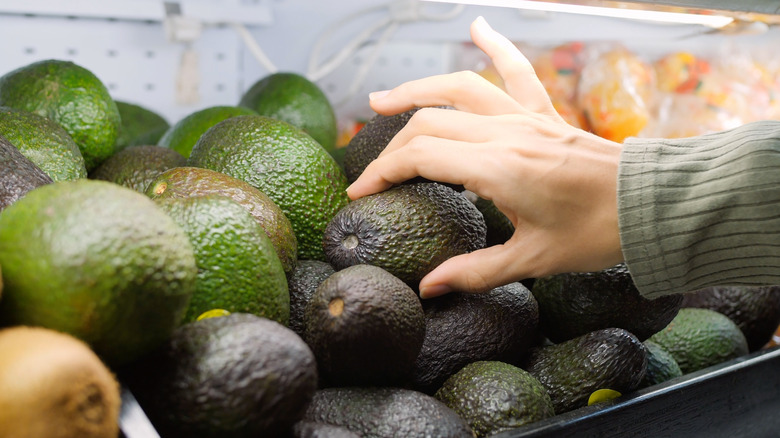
739 398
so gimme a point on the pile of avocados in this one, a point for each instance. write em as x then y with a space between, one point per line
215 267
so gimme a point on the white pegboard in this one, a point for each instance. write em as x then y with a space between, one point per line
132 58
397 63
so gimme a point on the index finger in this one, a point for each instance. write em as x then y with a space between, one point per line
515 69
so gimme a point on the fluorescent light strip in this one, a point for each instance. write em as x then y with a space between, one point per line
715 21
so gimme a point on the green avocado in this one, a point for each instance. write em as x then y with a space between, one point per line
238 375
44 142
18 175
184 182
494 396
183 135
698 338
661 365
365 326
238 269
755 309
573 304
136 167
70 95
381 412
140 126
408 230
283 162
294 99
610 358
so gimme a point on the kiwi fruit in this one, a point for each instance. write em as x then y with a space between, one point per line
53 385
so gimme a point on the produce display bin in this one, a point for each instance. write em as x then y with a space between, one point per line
738 398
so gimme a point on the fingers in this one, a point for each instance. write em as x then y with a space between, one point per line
518 74
423 156
466 91
441 123
479 271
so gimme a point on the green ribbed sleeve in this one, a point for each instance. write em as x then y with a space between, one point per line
701 211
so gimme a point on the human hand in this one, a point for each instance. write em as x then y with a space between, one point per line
556 183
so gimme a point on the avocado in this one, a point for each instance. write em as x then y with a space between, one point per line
698 338
137 166
499 228
44 142
238 269
292 98
572 304
183 135
365 326
18 175
72 96
53 385
302 282
610 358
283 162
661 365
460 328
494 396
366 145
408 230
755 309
98 261
380 412
181 182
139 126
238 375
311 429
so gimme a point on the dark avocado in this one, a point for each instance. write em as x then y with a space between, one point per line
375 412
661 365
365 327
238 375
407 230
573 304
18 175
461 328
610 358
302 282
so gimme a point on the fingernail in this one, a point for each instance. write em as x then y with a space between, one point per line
378 94
434 291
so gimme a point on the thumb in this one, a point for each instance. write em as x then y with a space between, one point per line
478 271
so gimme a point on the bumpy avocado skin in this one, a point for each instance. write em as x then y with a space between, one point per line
609 358
183 182
494 396
366 327
755 309
371 140
698 338
408 230
461 328
283 162
661 365
18 175
573 304
238 375
302 283
374 412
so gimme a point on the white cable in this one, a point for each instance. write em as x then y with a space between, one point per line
254 47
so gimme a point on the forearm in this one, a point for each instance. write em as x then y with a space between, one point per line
702 211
